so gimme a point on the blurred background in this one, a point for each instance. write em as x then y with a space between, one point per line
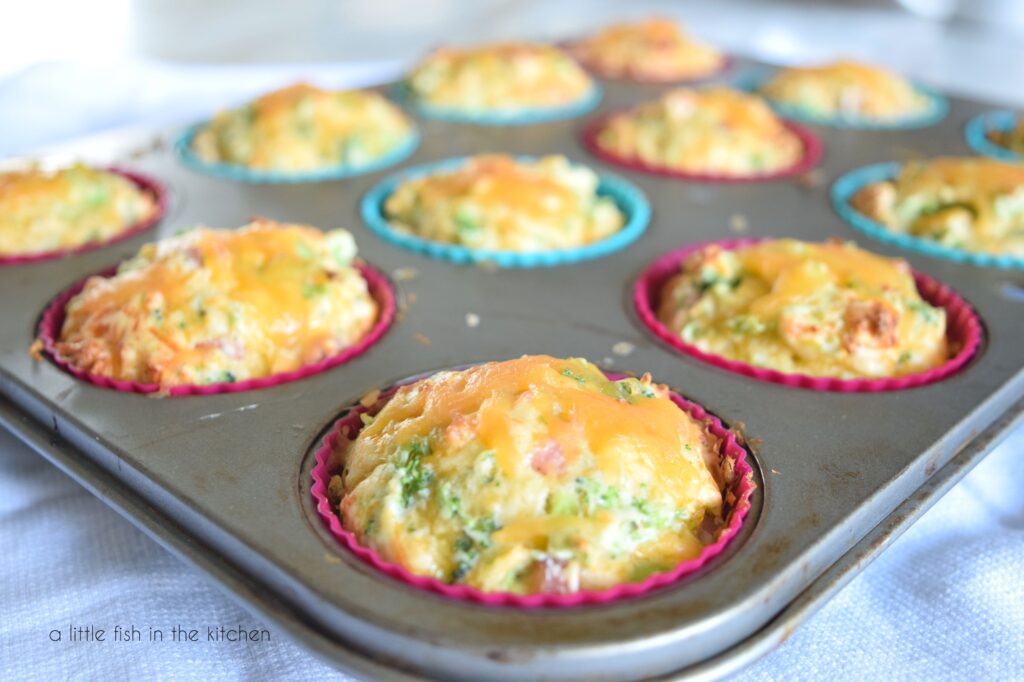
121 62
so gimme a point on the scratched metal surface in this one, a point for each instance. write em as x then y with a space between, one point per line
232 470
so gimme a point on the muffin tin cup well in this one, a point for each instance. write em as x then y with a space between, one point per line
852 182
938 107
963 330
52 321
144 182
977 129
736 495
812 145
507 117
227 171
630 200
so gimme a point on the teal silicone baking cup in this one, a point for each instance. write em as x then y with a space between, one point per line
938 107
228 171
978 128
509 117
630 200
852 182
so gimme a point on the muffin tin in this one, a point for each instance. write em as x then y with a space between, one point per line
224 480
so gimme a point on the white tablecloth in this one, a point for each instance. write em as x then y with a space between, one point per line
946 601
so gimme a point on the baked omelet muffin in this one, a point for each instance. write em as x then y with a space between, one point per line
536 475
305 128
656 49
968 203
847 89
1011 139
496 202
504 77
716 130
44 210
212 306
824 310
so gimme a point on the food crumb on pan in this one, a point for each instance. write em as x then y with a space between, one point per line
405 274
623 348
738 223
775 471
811 179
472 320
370 398
421 338
608 362
405 301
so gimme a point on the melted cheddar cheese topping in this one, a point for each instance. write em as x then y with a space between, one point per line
714 130
498 203
531 475
972 203
303 128
652 50
846 89
1012 139
830 310
500 77
44 211
211 306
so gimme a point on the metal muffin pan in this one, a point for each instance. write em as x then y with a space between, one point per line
224 480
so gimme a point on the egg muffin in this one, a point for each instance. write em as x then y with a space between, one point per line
495 202
847 89
653 50
535 475
212 306
969 203
1011 138
52 210
716 130
305 128
502 77
824 310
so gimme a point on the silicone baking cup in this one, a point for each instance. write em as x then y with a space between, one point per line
963 330
228 171
938 107
626 195
852 182
723 68
737 494
506 117
144 182
52 321
978 128
813 150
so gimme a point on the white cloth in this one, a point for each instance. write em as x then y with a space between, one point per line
946 601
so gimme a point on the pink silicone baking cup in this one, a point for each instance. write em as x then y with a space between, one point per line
737 493
145 183
813 150
963 330
52 321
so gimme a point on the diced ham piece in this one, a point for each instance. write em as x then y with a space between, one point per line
548 458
